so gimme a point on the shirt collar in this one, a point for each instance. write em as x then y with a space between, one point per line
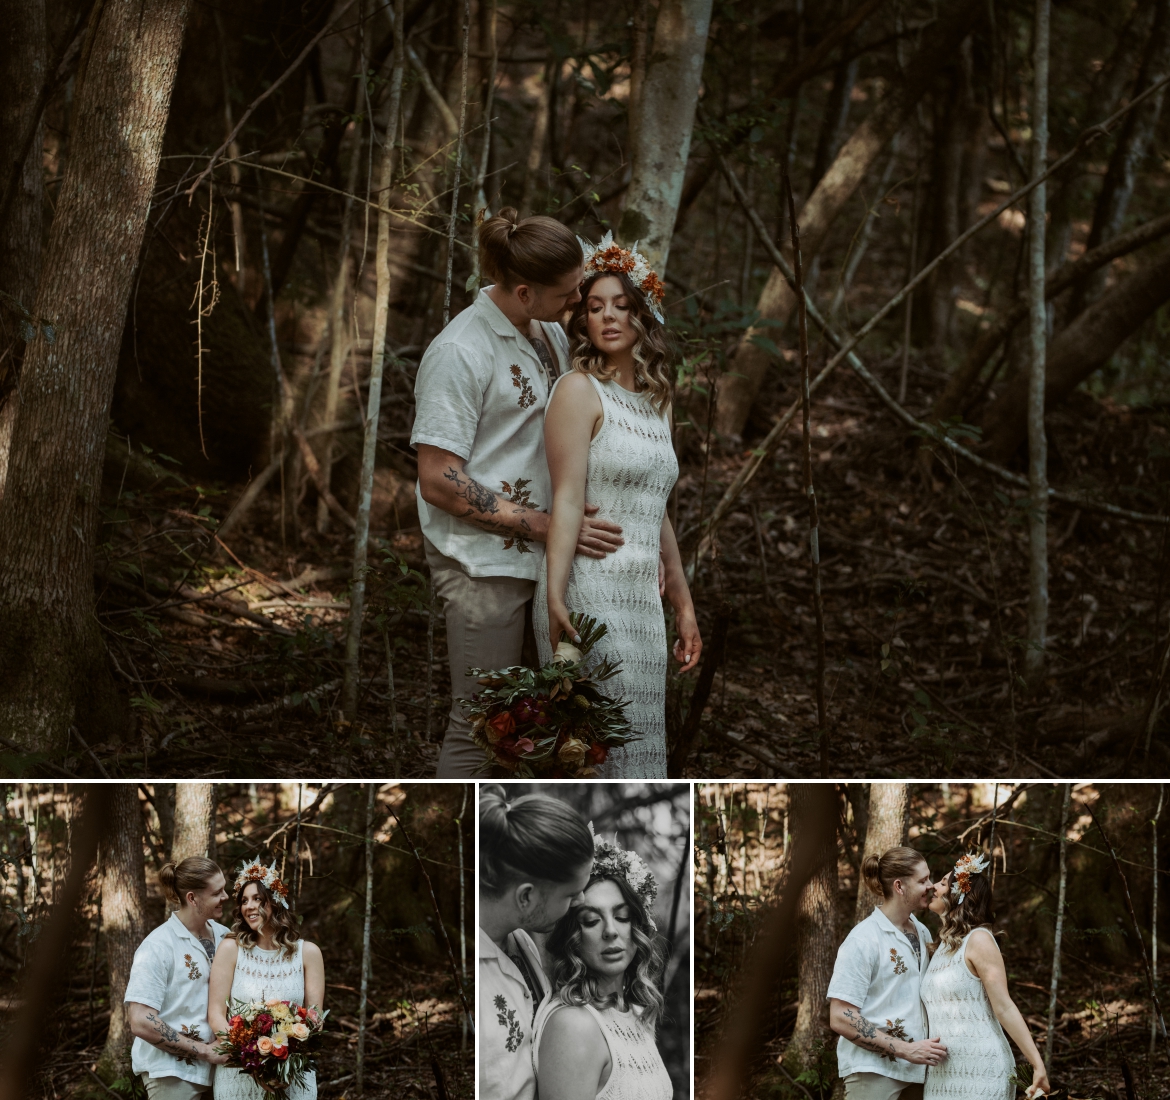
494 316
888 925
183 932
488 948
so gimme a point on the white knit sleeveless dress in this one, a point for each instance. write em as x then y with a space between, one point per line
261 975
632 469
636 1071
979 1062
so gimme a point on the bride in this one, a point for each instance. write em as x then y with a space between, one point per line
965 993
594 1037
263 957
607 439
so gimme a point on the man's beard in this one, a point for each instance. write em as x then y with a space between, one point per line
538 920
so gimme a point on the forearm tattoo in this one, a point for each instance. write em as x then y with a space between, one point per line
483 507
171 1041
869 1035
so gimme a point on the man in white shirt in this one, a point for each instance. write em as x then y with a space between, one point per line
166 995
874 1003
536 854
484 492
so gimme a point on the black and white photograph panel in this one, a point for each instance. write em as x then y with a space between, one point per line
584 979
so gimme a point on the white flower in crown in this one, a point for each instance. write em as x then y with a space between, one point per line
973 863
266 876
609 859
608 258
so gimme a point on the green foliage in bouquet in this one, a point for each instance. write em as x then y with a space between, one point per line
551 722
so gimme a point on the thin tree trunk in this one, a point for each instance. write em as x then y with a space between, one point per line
640 35
816 935
833 192
359 1059
374 406
53 670
463 906
663 130
1154 910
123 917
1053 988
22 74
194 818
1037 640
480 208
886 829
539 138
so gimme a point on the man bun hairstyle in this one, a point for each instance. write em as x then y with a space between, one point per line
537 250
533 838
192 874
894 863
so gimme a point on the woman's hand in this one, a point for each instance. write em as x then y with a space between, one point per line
558 621
1040 1085
688 646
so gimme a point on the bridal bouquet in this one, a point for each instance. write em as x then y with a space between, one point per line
273 1042
551 722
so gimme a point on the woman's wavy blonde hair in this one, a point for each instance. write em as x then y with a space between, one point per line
977 910
652 353
280 922
575 984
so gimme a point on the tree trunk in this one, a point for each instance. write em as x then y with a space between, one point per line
359 1057
1156 885
668 95
1078 351
1037 343
1055 984
851 166
887 829
194 820
123 917
816 926
53 670
22 73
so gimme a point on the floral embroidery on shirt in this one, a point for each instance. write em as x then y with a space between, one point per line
507 1018
522 495
895 1030
193 971
522 382
898 961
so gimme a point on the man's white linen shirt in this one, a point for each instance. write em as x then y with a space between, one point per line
876 970
506 1010
170 974
481 392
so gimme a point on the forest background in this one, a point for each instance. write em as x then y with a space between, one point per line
381 880
1079 878
199 539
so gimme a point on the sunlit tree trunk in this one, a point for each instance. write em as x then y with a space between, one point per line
53 670
816 938
1053 989
662 131
887 828
194 817
359 1059
1037 343
123 917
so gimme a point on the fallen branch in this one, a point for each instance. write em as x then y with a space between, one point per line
314 468
288 702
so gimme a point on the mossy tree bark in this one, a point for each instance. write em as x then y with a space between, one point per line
53 666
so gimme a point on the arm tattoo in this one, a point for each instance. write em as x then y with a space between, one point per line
482 505
869 1035
169 1040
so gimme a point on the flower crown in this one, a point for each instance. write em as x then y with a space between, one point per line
266 876
609 859
608 258
973 863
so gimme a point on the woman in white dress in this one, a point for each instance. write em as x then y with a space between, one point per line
594 1036
608 440
965 994
263 957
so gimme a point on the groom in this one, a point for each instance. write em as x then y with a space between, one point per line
484 492
166 996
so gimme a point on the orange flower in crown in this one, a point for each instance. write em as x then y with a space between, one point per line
266 876
608 258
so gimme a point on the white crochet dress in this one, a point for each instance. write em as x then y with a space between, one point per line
632 469
259 976
636 1068
979 1063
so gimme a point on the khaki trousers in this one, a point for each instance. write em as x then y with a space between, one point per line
173 1088
877 1086
487 622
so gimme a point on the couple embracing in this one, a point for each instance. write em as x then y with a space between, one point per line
893 987
188 969
573 1017
545 462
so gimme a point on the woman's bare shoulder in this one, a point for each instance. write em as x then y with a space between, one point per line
572 1024
228 948
311 951
575 386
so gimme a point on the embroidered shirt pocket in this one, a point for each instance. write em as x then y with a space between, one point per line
507 1018
899 963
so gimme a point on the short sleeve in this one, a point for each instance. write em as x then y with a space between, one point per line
448 398
150 974
853 972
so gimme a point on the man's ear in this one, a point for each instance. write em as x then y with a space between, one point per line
524 895
524 294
